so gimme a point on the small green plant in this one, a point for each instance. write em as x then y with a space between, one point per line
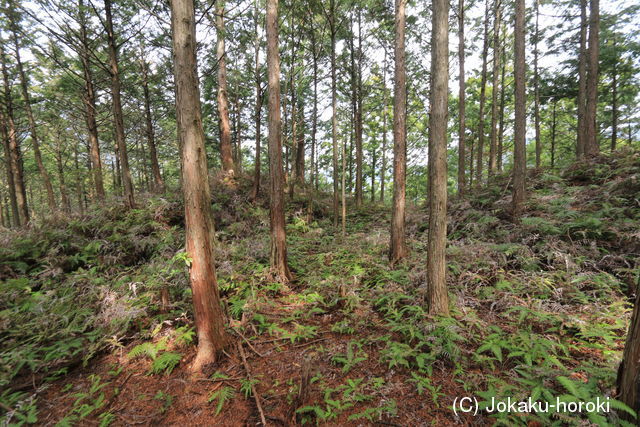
166 363
221 396
246 386
352 357
165 398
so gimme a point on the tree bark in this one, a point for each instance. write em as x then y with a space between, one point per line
614 99
461 101
437 297
46 178
628 382
358 116
493 144
279 265
64 196
89 100
483 88
398 246
519 131
499 154
197 198
13 200
158 183
334 112
536 88
383 168
592 146
553 132
314 118
582 81
258 108
223 99
15 155
117 108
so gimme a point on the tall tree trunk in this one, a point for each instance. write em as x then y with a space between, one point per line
258 108
628 381
553 132
223 98
13 200
483 88
536 87
592 146
334 108
582 81
15 155
383 168
79 181
64 196
520 124
614 99
117 108
46 179
499 154
294 112
358 116
314 118
279 266
437 297
199 231
461 101
398 246
374 159
493 144
300 148
158 183
89 100
343 186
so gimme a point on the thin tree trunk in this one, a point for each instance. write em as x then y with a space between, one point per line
398 246
199 232
300 144
614 99
279 266
314 119
499 154
461 101
13 200
343 187
334 112
223 102
64 196
15 156
519 131
89 100
358 116
483 88
582 81
258 108
536 88
294 113
46 179
437 297
493 144
553 133
592 147
158 183
79 183
383 169
117 109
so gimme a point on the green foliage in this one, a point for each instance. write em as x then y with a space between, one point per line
166 362
221 396
351 358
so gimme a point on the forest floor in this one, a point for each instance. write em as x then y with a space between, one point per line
540 308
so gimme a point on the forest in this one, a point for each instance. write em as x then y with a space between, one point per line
321 212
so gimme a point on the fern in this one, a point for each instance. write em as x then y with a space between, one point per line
221 396
166 363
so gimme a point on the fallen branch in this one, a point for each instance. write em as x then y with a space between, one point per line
253 387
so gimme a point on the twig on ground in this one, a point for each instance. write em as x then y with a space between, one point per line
253 387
